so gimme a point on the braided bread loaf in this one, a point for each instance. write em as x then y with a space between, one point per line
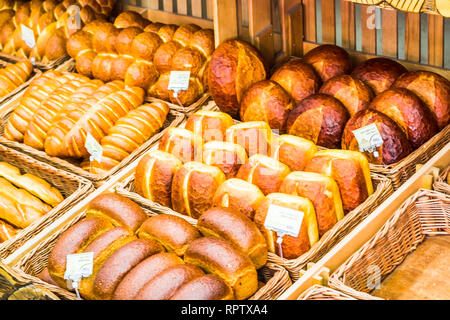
13 76
142 54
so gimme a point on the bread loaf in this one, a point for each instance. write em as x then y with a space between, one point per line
208 287
254 136
210 125
13 76
44 275
7 231
295 152
328 61
228 157
182 143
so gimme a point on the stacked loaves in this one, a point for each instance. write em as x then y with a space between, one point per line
320 98
214 163
51 23
59 110
142 54
24 198
13 76
162 257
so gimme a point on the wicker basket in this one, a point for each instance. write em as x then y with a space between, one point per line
72 187
41 66
426 213
441 184
174 118
32 263
383 189
318 292
198 104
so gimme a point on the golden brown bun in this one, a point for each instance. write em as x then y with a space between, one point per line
167 31
125 38
379 73
120 263
395 144
234 67
298 78
160 90
120 211
193 188
130 19
184 33
203 41
409 112
237 228
208 287
172 232
226 156
154 175
351 171
153 27
182 143
295 152
266 101
72 241
210 125
187 59
145 45
292 247
166 284
100 31
102 67
433 89
141 74
145 271
238 195
221 257
354 94
264 172
164 54
84 63
7 231
329 61
79 41
120 65
319 118
254 136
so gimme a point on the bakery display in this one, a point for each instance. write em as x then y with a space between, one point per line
182 143
227 156
293 151
13 76
210 125
254 136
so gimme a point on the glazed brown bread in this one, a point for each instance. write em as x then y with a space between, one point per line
238 195
378 73
235 66
193 188
264 172
13 76
298 78
44 275
409 112
323 192
254 136
319 118
227 156
182 143
220 257
266 101
395 144
172 232
295 152
7 231
292 247
354 94
433 89
208 287
237 228
154 175
328 61
210 125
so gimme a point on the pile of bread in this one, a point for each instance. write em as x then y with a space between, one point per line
162 257
142 54
51 23
320 98
244 167
13 76
24 198
59 110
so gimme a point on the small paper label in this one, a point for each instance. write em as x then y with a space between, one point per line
94 148
369 139
179 81
74 21
28 36
284 221
79 266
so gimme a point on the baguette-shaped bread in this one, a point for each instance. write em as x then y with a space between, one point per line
6 231
35 185
154 175
295 152
254 136
208 287
227 156
13 76
17 214
220 257
237 228
145 271
172 232
210 125
182 143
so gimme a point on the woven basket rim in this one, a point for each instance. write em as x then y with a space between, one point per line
42 66
319 292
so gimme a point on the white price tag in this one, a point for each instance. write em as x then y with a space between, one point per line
28 36
284 221
79 266
179 81
74 21
94 148
369 139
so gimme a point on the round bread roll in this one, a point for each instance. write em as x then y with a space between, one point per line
182 143
264 172
166 32
187 97
154 175
354 94
145 271
319 118
266 101
291 247
125 38
238 195
209 287
145 45
120 65
226 156
295 152
102 67
83 63
235 66
193 188
210 125
395 144
379 73
433 89
235 227
184 34
203 41
141 74
153 27
79 41
187 59
254 136
166 284
329 61
409 112
221 257
130 19
298 78
164 55
172 232
100 31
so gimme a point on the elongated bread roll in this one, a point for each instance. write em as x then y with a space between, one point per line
208 287
7 231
